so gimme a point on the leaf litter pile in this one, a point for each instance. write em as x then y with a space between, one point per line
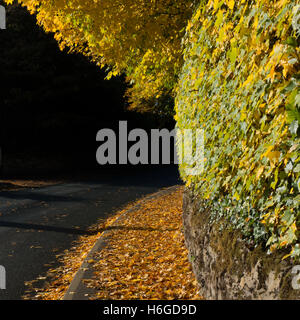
145 257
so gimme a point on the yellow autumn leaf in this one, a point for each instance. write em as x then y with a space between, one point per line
259 172
231 4
273 156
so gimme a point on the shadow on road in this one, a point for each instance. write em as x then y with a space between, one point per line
43 197
40 227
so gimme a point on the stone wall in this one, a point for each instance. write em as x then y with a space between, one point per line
226 267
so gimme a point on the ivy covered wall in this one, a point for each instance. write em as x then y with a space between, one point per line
240 83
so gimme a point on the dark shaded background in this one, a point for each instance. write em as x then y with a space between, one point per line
53 103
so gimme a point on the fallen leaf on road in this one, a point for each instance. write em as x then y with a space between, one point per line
146 257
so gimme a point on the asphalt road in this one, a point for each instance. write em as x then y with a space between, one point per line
38 224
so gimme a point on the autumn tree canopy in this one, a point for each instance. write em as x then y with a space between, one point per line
239 80
140 38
